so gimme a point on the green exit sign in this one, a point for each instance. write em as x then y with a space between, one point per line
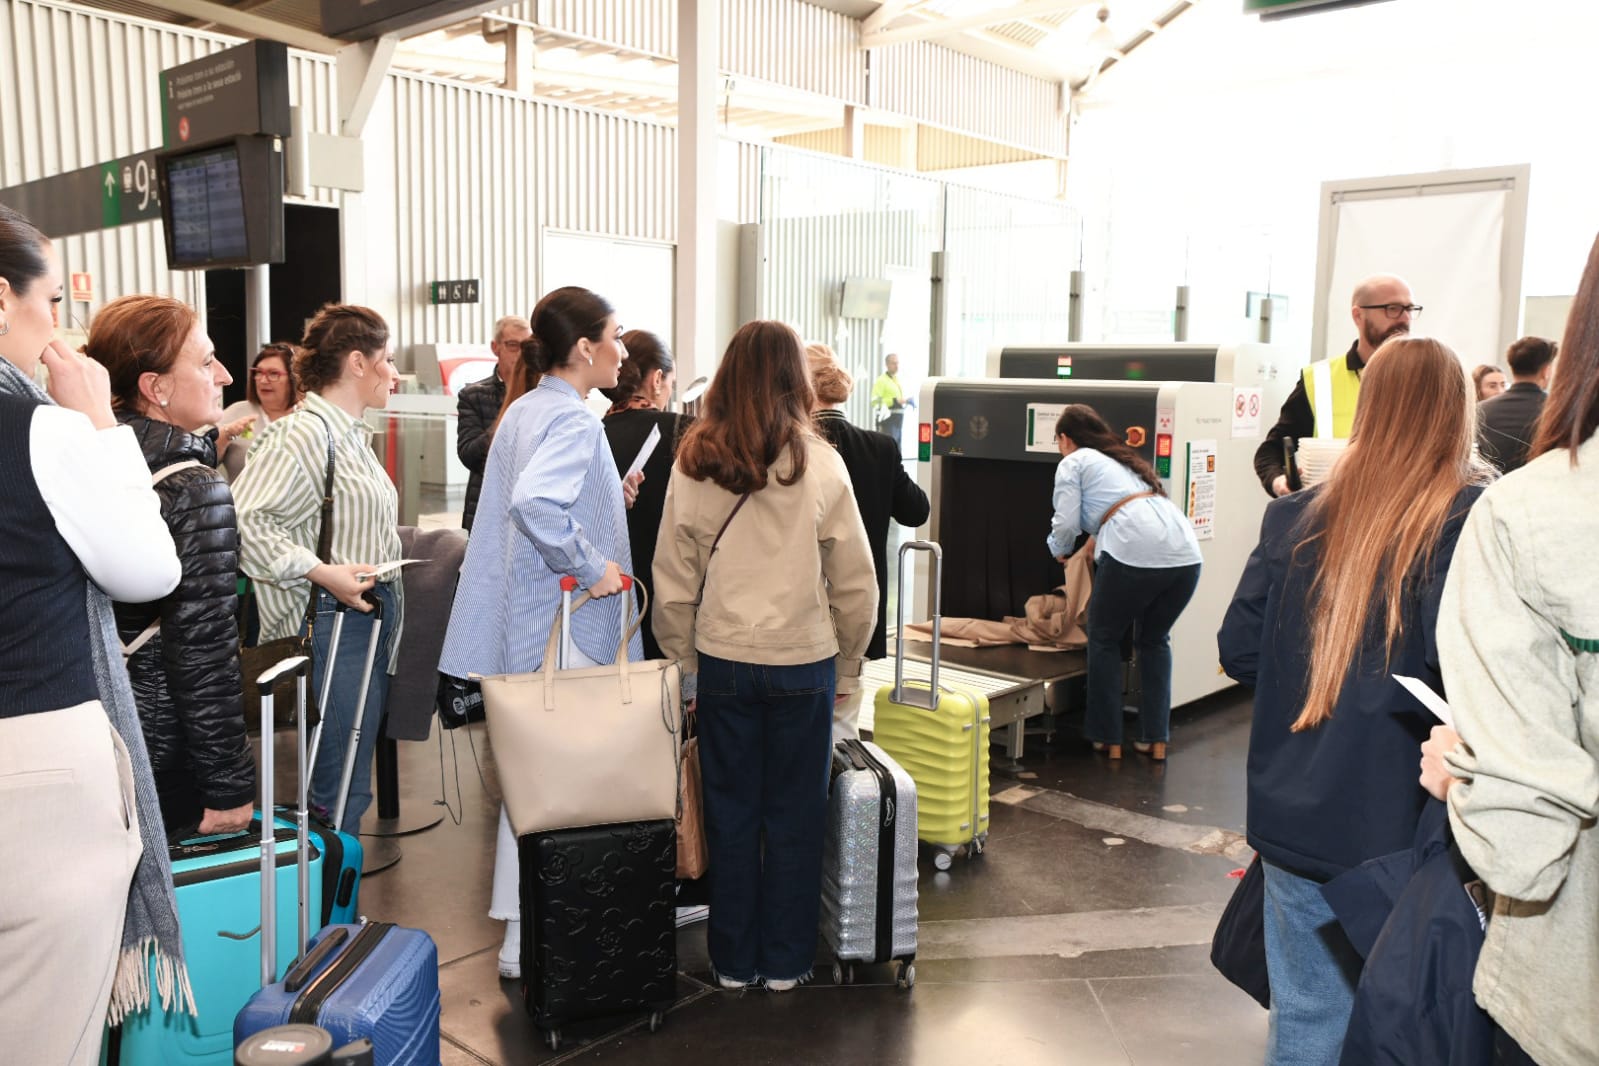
1269 9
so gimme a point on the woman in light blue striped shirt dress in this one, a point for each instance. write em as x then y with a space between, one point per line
1147 567
552 505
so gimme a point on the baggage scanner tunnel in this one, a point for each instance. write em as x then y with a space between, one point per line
987 459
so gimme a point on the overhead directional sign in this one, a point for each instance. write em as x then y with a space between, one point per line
244 89
99 197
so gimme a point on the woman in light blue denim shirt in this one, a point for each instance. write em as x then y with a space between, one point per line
1147 567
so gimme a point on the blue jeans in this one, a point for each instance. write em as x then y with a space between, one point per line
765 745
337 718
1313 971
1147 600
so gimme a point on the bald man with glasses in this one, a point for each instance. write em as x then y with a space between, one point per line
1323 403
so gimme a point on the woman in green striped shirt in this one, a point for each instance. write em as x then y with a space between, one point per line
346 365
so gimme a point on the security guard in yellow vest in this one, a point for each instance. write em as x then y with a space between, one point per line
1323 403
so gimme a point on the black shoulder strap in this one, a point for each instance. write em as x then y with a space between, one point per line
324 539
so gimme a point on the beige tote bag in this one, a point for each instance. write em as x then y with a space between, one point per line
592 746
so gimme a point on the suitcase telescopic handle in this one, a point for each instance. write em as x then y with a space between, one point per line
900 695
297 667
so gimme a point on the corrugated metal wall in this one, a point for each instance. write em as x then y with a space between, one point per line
804 46
59 112
829 219
648 26
796 44
820 50
961 92
482 173
80 89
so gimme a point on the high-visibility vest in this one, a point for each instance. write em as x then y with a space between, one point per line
1332 389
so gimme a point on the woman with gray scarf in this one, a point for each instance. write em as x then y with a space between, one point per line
84 905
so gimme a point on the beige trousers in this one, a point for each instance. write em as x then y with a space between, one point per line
69 842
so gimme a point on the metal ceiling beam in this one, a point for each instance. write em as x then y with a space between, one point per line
941 27
250 25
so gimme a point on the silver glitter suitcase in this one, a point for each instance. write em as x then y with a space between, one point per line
869 866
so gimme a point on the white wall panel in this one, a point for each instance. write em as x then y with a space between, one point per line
961 92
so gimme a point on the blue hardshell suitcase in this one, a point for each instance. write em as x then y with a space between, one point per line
218 881
220 903
379 981
341 874
375 981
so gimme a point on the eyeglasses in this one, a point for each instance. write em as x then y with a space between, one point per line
1394 310
269 375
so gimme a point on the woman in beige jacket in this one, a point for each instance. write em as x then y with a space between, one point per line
1518 639
764 587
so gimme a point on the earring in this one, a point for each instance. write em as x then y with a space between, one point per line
163 403
5 327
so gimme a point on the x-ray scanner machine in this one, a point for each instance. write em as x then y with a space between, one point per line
987 459
1271 368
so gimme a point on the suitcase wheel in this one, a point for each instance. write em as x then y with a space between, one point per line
905 977
943 859
656 1018
843 973
553 1038
978 843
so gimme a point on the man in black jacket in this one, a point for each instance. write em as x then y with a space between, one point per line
479 405
1507 422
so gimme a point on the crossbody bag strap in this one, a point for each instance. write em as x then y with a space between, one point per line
729 521
1110 512
324 537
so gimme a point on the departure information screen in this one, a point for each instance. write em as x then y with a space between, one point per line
207 204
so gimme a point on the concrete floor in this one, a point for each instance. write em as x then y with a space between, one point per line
1081 936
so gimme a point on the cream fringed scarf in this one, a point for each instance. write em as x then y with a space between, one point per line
151 926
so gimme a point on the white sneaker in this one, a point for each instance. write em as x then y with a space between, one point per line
511 952
787 984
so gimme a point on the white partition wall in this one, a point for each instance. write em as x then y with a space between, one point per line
1456 236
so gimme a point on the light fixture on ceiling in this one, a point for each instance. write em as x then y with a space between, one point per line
1102 42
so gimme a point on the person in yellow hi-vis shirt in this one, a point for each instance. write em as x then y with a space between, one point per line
1323 403
888 401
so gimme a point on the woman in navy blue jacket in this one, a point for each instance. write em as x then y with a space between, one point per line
1341 593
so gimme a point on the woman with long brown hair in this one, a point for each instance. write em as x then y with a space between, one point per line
764 589
1341 593
1147 566
1519 642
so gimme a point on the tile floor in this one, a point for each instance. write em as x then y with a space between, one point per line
1081 936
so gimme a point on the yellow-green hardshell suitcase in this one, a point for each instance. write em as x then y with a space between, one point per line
942 741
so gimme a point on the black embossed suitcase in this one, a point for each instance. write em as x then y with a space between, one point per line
599 931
